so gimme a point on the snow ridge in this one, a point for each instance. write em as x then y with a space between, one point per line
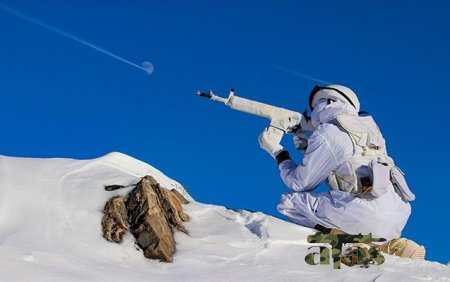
50 215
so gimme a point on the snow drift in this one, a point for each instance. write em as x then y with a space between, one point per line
50 230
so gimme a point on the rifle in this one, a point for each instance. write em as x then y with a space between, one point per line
281 120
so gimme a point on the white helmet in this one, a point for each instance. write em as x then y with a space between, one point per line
335 93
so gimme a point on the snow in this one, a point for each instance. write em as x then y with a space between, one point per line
50 230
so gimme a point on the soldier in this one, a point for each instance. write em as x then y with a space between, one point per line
368 193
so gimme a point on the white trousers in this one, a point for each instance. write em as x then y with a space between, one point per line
384 217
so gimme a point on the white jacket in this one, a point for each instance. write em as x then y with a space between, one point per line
329 147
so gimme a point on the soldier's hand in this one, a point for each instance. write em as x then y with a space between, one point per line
300 141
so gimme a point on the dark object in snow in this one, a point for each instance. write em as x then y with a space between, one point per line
113 187
152 213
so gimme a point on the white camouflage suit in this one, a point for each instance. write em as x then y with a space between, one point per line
329 147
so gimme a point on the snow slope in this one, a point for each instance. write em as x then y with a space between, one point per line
50 214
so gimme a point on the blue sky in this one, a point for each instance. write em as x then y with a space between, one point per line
60 98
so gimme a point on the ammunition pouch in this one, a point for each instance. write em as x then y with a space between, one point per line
368 187
344 178
400 185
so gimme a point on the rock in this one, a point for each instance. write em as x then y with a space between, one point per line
115 219
178 201
149 224
180 197
171 207
153 213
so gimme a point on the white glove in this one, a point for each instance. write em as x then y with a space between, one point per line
300 141
270 139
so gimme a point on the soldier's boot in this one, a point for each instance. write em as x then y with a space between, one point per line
404 248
